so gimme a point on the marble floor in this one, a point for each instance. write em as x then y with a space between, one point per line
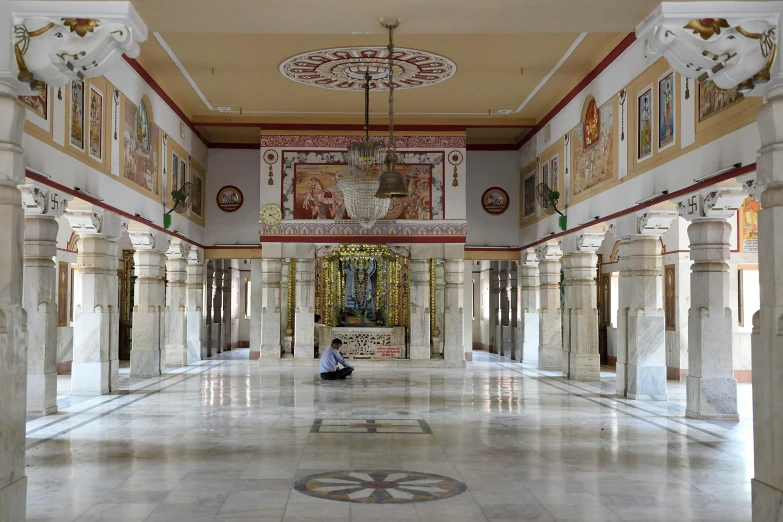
227 440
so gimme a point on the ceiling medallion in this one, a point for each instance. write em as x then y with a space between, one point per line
343 68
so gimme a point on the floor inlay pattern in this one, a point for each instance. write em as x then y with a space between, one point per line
409 426
379 487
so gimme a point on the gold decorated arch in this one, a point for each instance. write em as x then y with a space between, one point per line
393 295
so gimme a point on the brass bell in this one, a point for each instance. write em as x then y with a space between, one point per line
391 183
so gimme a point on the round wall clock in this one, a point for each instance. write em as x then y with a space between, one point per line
229 198
495 200
270 215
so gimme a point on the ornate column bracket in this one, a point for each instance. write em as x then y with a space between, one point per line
178 249
39 200
549 251
733 44
655 222
751 185
57 42
718 202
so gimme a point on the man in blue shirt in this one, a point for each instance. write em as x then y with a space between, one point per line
329 361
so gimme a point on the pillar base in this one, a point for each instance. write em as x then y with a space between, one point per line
42 393
646 383
13 500
90 378
420 352
620 372
550 359
767 502
145 363
508 341
584 366
176 356
195 349
711 398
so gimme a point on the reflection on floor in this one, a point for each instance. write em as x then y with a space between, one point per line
228 440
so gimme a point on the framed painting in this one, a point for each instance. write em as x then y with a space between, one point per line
593 166
545 173
95 127
749 225
197 186
183 169
495 200
667 123
554 173
142 144
713 100
77 115
591 125
529 196
644 124
62 293
70 299
174 171
38 103
669 301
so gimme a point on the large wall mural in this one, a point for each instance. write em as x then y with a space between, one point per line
595 164
749 225
713 100
142 141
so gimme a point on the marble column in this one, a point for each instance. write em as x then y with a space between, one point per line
217 308
175 331
453 346
304 311
495 340
767 336
286 286
113 299
507 334
623 307
528 304
148 356
225 328
550 336
194 304
711 387
420 309
13 321
265 333
208 303
581 359
41 207
515 348
91 368
440 289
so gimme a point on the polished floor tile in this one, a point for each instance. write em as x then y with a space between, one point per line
226 440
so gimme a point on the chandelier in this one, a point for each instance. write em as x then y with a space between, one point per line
365 157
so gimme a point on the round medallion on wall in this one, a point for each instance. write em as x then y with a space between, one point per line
495 200
229 198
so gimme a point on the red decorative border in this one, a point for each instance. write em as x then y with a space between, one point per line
364 239
508 201
221 206
326 141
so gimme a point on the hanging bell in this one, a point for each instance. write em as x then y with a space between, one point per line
391 182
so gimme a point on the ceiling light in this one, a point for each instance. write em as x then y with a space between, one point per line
224 109
718 173
504 111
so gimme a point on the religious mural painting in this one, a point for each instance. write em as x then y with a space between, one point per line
554 173
95 127
77 114
666 111
197 191
37 103
316 195
174 170
529 196
596 164
749 225
591 125
669 303
545 173
183 169
142 138
62 293
644 124
713 100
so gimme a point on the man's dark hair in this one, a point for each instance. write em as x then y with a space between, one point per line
317 317
337 341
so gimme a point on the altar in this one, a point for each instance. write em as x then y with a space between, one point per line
374 342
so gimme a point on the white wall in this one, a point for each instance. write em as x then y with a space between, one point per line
240 168
487 169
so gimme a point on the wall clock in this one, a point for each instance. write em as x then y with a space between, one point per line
271 215
229 198
495 200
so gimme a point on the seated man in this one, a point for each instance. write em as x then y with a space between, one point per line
329 360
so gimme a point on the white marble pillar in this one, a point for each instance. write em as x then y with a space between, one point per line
581 359
515 348
767 340
13 329
265 333
91 368
528 305
42 207
420 309
208 303
495 336
175 331
194 304
623 306
286 286
711 387
506 333
304 311
453 346
217 308
148 356
550 335
440 289
225 327
113 300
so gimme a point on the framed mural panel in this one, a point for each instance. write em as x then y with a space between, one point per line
95 127
316 195
76 128
529 196
70 299
667 114
183 169
545 173
142 143
197 182
175 171
669 301
597 164
554 173
713 100
62 293
645 124
591 124
38 104
749 225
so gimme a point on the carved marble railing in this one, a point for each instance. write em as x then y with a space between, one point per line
365 343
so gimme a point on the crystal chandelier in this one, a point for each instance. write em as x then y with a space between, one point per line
359 188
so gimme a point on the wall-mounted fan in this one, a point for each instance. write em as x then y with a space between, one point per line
180 201
548 200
